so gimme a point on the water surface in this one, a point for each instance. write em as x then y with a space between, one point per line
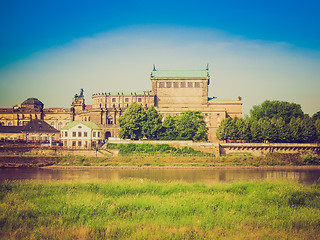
202 175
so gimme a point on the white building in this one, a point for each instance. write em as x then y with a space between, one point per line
81 135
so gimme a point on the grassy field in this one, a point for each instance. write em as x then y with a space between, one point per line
159 210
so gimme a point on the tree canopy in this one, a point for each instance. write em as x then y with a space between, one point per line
132 122
272 121
270 109
136 124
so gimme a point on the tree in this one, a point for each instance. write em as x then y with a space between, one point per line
131 123
191 125
295 130
317 126
222 132
246 130
256 131
316 116
169 128
270 109
282 130
152 128
308 130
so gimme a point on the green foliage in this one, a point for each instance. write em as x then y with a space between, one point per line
147 210
170 131
317 128
191 125
316 116
147 148
277 109
136 123
152 128
311 159
132 122
272 121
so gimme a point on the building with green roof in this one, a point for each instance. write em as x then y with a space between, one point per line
81 135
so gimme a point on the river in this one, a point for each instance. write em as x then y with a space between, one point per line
208 176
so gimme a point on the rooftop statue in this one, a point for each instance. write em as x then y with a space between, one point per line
81 95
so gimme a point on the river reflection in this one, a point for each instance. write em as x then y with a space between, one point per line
207 176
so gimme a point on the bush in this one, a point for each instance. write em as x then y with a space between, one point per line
311 159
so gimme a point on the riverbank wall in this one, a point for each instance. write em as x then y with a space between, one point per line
218 149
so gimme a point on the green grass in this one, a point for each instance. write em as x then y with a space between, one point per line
159 210
167 159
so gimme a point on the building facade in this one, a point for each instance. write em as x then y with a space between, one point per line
172 93
81 135
35 130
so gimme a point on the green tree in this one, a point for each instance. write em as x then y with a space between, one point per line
282 130
191 125
308 130
316 116
169 128
270 109
131 123
317 126
152 128
267 130
256 131
295 130
223 129
246 130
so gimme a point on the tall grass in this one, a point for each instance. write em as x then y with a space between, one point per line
138 209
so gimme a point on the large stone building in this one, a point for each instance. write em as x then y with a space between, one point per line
173 92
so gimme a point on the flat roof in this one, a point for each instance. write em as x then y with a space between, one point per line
180 74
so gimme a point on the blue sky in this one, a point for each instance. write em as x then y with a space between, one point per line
256 49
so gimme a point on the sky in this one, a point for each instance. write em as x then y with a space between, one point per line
259 50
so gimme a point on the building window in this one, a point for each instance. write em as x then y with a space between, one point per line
168 84
190 84
65 143
175 84
79 143
126 99
59 125
197 84
85 134
183 84
79 134
161 85
110 121
66 134
94 134
98 134
139 99
74 134
52 124
73 143
114 99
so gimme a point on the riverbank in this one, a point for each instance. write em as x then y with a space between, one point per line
159 160
153 210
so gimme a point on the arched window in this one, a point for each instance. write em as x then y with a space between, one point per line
59 125
110 120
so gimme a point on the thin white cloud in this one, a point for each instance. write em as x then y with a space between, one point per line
123 59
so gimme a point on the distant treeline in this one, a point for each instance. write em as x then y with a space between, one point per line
272 121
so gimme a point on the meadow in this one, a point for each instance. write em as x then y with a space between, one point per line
138 209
